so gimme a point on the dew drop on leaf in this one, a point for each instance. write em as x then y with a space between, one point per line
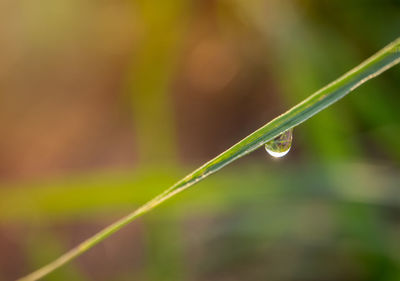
280 146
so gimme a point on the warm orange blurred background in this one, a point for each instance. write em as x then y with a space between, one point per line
103 104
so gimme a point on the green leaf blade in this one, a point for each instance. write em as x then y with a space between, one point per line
372 67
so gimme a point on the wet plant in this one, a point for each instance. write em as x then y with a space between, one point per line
276 135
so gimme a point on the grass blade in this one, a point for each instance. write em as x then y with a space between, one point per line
375 65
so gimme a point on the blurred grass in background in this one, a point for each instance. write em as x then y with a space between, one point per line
104 104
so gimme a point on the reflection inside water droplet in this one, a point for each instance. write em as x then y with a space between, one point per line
280 146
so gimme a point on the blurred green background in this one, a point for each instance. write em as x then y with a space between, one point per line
103 104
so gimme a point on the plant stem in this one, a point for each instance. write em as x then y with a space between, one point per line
372 67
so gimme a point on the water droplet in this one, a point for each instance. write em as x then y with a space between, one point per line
280 146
